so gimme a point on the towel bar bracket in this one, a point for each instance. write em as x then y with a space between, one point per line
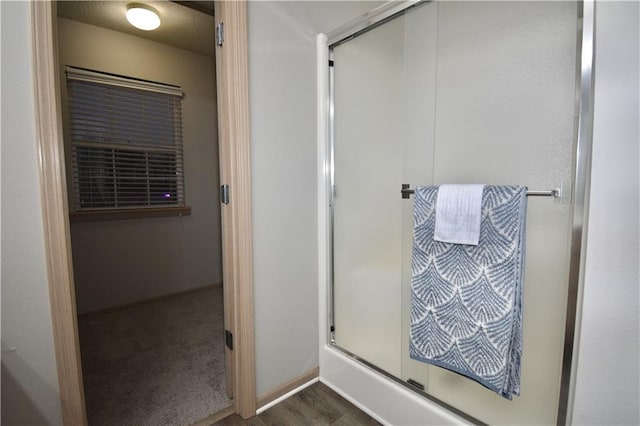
406 192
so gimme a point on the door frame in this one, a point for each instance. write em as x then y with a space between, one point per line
237 244
232 79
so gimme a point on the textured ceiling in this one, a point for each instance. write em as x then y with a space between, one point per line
180 26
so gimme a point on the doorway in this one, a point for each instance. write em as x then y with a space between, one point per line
148 289
58 236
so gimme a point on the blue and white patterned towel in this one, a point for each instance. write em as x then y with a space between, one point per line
466 301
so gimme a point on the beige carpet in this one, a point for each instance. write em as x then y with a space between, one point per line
160 363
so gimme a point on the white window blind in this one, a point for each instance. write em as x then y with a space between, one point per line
126 142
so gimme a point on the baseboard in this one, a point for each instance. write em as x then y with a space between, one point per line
295 384
214 418
147 301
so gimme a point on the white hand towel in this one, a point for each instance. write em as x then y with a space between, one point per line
458 214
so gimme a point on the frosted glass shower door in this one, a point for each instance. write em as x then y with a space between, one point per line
383 137
454 92
367 250
505 115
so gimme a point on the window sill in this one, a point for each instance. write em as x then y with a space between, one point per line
122 214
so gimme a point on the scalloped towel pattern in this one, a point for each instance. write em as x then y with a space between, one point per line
466 301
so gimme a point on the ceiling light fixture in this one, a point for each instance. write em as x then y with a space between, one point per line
142 16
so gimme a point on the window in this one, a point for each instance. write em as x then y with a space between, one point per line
126 143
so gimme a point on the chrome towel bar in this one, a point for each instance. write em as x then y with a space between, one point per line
406 192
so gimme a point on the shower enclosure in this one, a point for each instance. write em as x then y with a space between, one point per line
455 92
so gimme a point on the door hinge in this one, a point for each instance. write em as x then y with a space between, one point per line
224 194
228 338
220 34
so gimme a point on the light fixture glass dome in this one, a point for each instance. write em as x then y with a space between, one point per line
143 17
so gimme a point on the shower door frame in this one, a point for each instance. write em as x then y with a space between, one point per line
583 125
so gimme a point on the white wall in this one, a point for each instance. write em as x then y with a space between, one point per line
29 378
283 143
608 361
123 261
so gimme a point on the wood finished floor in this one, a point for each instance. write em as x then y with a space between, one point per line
315 405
